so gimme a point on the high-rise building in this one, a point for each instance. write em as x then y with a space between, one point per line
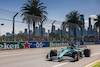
95 32
8 34
83 30
48 31
20 32
36 31
59 32
39 30
43 31
63 29
25 31
53 29
82 19
89 22
90 31
31 32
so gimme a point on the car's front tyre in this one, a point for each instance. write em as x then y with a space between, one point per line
75 56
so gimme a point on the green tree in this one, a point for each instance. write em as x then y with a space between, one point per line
73 21
97 24
34 8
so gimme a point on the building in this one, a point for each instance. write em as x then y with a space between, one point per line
95 32
83 30
40 30
43 31
8 34
53 29
90 31
36 31
20 32
63 29
25 31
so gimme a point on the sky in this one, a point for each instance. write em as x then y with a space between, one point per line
57 9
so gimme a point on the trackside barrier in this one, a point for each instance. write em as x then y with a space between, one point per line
27 44
87 43
22 45
78 42
53 44
98 42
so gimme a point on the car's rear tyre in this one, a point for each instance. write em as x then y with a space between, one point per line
75 56
87 52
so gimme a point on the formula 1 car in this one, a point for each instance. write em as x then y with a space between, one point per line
73 51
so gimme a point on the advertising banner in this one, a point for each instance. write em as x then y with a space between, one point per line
21 45
78 42
87 43
10 45
98 42
53 44
38 44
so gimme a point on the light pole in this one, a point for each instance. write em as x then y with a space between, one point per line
14 24
0 28
41 28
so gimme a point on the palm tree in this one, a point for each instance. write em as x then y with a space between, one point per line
73 21
35 10
97 24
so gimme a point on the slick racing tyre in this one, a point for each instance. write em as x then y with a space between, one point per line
53 53
75 55
47 56
87 52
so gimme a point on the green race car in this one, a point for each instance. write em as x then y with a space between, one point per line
73 51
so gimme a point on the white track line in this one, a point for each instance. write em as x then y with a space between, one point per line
95 54
60 64
68 62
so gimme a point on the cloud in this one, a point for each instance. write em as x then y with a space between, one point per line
93 16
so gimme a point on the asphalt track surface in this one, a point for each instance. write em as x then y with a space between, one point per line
36 57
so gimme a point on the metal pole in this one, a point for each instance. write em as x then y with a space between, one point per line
41 29
52 28
0 28
14 24
61 33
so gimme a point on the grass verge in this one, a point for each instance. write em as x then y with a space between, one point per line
97 65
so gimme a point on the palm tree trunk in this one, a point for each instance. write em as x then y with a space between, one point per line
81 33
34 29
75 33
